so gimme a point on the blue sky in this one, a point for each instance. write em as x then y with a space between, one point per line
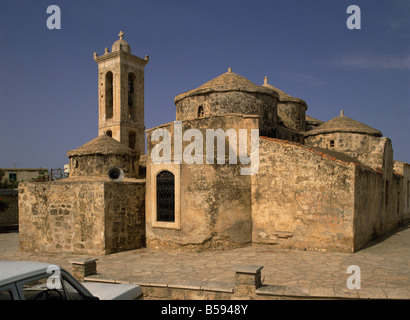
48 83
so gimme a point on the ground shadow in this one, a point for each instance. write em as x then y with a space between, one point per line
381 238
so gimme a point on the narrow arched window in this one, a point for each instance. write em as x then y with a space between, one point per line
165 196
200 111
131 95
109 94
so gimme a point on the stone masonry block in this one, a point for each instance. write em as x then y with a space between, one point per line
82 268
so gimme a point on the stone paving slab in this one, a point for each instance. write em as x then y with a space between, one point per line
384 268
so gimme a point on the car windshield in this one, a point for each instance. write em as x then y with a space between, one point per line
40 289
51 288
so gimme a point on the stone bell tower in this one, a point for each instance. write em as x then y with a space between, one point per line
121 95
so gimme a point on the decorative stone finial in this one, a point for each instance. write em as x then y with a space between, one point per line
229 69
265 80
342 113
106 51
121 35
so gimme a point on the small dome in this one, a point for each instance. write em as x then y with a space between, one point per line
104 145
344 124
228 81
121 44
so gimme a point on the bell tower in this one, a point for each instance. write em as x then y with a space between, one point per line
121 95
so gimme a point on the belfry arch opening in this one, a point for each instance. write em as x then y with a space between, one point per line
109 94
131 95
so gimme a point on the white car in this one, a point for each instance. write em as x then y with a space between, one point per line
21 280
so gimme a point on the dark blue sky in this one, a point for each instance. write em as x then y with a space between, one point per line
48 83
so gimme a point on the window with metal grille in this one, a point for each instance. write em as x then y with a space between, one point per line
165 196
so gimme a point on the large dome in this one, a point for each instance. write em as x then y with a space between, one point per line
228 81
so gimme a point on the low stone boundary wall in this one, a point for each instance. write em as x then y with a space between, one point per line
247 286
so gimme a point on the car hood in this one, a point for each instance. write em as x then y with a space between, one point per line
113 291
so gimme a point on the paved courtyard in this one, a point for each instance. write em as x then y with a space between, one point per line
384 265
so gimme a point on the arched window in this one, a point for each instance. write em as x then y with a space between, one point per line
165 196
200 111
109 133
109 95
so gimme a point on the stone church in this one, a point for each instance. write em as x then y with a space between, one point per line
318 185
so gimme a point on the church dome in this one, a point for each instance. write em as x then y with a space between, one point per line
121 44
344 124
229 93
228 81
103 145
97 157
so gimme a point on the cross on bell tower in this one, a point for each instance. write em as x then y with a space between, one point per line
121 95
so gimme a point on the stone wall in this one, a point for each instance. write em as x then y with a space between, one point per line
367 149
124 216
369 220
379 205
292 114
84 216
10 216
403 169
213 200
302 198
